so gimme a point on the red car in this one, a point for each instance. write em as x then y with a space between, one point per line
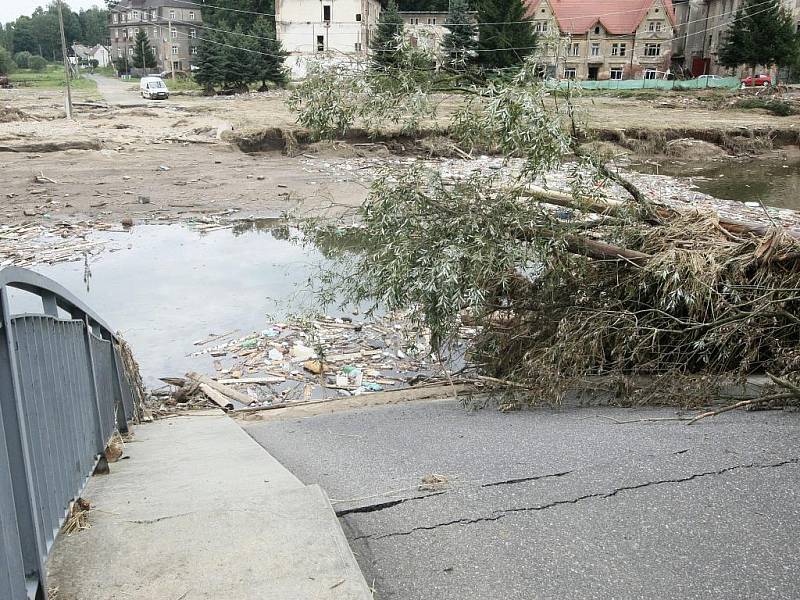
760 79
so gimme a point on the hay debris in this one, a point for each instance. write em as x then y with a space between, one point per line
78 519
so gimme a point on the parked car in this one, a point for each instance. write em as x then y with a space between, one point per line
762 79
153 88
705 78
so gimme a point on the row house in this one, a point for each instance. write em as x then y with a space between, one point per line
604 39
173 28
700 30
425 29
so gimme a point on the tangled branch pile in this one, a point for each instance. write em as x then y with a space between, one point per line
655 302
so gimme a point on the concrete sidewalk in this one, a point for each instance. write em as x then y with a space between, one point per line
200 511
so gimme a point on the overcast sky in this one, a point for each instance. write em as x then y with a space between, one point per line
11 9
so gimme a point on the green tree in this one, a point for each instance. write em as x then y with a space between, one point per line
208 60
239 59
7 37
143 55
269 63
23 38
388 37
434 5
37 63
23 59
7 64
220 11
460 42
506 33
94 26
760 35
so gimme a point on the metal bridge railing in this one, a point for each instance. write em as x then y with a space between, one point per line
63 394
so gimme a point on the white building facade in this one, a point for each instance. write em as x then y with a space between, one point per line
336 27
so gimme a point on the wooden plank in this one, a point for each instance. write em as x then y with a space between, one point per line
222 389
252 380
219 399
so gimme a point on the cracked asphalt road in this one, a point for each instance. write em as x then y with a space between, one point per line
557 504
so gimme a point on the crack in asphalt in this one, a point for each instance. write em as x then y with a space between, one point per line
601 495
368 508
526 479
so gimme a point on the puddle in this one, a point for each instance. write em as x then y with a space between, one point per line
165 286
775 183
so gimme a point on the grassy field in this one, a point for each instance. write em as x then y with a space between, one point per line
50 79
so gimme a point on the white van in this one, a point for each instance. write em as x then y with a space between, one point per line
153 88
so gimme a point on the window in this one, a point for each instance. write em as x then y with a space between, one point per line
652 49
358 17
595 49
174 51
540 27
616 73
618 49
597 31
191 15
413 21
130 51
654 26
172 14
136 15
116 34
155 33
320 43
193 50
358 46
650 73
326 13
119 52
193 33
570 73
123 17
115 18
575 49
153 14
124 34
173 33
136 31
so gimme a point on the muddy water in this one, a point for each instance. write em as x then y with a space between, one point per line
773 182
166 286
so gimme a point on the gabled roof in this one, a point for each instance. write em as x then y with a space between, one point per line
616 16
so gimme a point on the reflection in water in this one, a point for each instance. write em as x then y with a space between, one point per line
165 286
775 183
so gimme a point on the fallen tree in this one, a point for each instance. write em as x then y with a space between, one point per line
570 289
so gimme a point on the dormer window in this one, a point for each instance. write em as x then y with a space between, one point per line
597 30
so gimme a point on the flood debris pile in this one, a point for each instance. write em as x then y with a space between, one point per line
635 298
316 358
600 284
28 244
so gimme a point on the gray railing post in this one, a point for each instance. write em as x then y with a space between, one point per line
119 402
18 446
101 443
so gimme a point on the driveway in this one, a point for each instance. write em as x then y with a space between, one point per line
576 503
121 93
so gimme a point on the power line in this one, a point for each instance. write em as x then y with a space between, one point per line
485 50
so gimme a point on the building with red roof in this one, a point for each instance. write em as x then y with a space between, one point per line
604 39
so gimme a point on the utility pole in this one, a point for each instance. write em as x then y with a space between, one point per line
171 60
66 62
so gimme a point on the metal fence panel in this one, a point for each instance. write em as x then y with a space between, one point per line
62 397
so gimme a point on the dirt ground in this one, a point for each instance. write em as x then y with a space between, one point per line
144 160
